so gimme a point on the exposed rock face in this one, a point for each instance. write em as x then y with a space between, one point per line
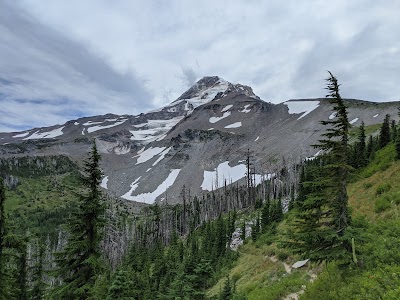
198 141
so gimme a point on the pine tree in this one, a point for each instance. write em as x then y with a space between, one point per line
21 289
360 148
243 234
397 144
226 293
255 229
384 136
121 287
265 214
80 261
3 280
318 229
393 130
38 284
397 140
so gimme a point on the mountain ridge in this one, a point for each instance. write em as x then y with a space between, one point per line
202 135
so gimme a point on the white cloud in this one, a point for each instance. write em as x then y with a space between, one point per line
280 49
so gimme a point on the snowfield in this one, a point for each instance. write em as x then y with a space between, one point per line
104 182
21 135
149 198
354 121
153 130
162 155
134 186
149 154
234 125
215 179
216 119
245 109
95 128
46 135
332 116
227 107
305 107
206 95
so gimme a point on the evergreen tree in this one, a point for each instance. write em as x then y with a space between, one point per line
358 153
360 148
38 284
243 235
265 214
3 278
80 261
255 229
397 140
318 229
384 136
226 293
393 130
21 289
121 287
397 144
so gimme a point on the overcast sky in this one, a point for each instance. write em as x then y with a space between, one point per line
64 59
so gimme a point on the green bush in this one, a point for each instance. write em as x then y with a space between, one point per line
383 188
367 185
381 204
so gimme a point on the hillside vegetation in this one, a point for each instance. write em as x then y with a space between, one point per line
374 197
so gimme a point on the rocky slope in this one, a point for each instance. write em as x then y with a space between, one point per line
199 141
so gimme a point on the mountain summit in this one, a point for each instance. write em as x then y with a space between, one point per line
199 141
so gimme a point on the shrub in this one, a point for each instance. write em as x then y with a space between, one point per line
383 188
381 205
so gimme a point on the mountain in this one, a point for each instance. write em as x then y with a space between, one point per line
200 141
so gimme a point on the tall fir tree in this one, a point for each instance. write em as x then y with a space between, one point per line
318 227
3 280
80 262
397 139
265 214
397 145
384 136
38 289
360 148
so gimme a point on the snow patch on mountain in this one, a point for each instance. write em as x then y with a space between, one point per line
88 123
246 109
150 197
216 119
353 121
234 125
332 116
153 129
227 107
104 182
98 127
375 115
162 155
120 150
21 135
305 107
215 179
149 154
203 96
134 186
46 135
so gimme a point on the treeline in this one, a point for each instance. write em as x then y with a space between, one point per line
176 248
363 149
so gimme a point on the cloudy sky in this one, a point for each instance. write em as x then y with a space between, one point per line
64 59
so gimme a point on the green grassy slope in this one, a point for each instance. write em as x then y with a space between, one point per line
374 196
